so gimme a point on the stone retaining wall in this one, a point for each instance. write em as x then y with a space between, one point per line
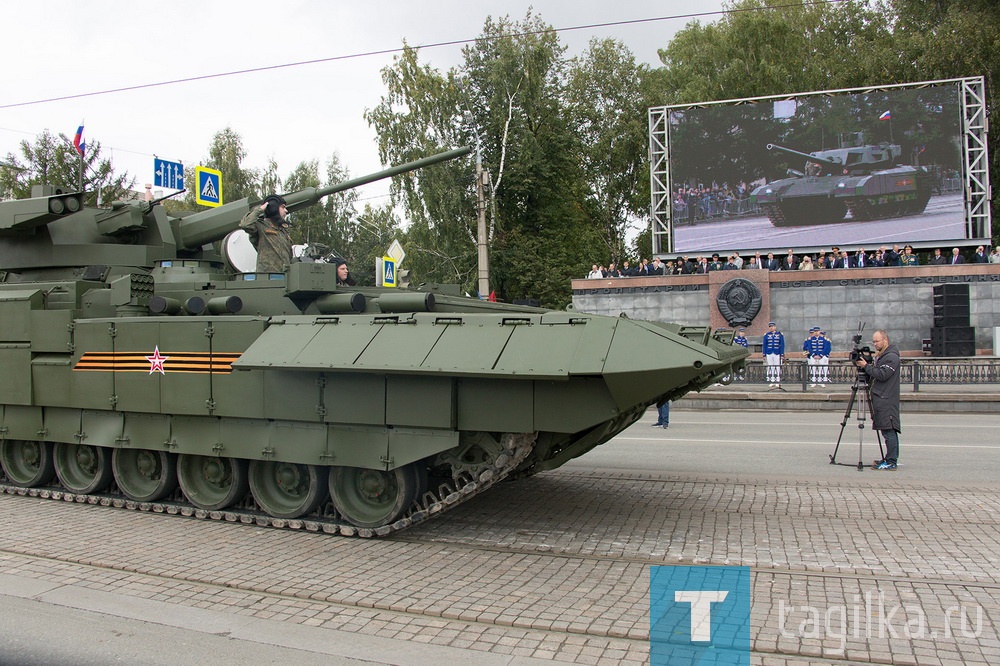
898 299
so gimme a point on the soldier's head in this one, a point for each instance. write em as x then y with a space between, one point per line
275 208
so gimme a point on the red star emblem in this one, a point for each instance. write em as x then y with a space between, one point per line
156 361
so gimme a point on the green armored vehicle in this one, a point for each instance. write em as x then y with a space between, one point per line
139 368
863 180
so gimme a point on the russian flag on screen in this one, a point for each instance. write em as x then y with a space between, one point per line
885 116
78 143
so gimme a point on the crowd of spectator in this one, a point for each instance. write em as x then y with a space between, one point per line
834 258
702 202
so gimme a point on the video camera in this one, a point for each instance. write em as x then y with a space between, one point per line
858 352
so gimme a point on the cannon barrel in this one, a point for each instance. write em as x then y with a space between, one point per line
807 156
212 225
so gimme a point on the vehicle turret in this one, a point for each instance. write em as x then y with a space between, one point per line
851 160
52 235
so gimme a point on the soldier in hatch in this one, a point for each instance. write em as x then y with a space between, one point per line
267 226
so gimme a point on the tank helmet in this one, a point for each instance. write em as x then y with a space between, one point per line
274 202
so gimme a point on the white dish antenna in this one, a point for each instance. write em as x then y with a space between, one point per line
239 252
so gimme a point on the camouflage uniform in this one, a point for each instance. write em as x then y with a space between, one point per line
270 238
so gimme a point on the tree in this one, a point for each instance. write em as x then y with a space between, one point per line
421 114
226 153
331 222
509 96
371 234
607 105
52 160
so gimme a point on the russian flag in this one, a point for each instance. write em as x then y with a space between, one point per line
78 143
884 116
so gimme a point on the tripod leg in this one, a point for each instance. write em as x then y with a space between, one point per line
843 424
862 411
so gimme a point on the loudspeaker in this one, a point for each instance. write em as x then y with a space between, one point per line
951 315
951 308
953 348
943 320
948 334
951 300
952 291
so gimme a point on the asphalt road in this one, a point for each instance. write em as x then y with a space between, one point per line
948 448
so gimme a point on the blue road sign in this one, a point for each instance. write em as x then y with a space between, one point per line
209 186
388 272
168 174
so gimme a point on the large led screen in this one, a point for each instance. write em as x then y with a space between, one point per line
877 167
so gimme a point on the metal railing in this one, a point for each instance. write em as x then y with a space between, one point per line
709 209
915 373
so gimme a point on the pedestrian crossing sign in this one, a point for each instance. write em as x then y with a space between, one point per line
388 272
209 186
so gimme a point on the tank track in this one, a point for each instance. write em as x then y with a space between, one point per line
516 447
863 210
775 214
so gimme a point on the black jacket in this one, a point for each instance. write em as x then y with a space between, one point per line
884 375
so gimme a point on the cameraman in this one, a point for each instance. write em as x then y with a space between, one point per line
883 370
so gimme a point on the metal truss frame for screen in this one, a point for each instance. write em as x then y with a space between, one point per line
974 152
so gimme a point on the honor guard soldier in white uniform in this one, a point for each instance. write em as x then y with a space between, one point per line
741 340
824 360
813 350
774 349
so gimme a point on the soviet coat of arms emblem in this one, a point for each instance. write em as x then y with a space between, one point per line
739 302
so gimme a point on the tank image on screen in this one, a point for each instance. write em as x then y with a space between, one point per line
142 366
859 179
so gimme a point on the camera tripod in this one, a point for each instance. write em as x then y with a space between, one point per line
861 402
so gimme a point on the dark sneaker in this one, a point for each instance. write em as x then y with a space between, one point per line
884 465
659 425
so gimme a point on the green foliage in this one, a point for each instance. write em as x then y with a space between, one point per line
52 160
421 114
642 245
532 113
607 107
370 236
226 153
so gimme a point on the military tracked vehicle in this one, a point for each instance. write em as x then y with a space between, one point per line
141 367
863 180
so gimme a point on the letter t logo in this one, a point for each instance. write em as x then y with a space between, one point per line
701 611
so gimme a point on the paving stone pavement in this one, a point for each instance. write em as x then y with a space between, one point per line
556 567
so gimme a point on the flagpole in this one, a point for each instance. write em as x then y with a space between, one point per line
80 145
